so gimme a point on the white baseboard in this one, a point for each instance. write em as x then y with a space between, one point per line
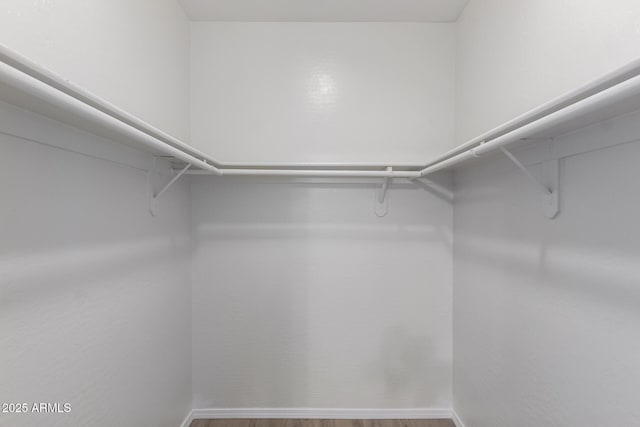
188 419
456 419
322 413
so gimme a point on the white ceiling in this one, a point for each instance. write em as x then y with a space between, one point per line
324 10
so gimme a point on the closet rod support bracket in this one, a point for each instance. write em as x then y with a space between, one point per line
155 196
551 192
381 201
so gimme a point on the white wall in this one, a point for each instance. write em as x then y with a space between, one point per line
134 53
303 298
546 313
515 55
94 292
322 92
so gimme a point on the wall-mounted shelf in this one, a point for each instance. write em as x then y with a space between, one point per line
27 85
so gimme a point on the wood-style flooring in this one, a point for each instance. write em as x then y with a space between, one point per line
320 423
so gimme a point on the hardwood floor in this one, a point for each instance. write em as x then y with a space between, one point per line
320 423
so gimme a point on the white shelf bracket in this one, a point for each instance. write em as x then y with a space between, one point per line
154 196
381 201
550 193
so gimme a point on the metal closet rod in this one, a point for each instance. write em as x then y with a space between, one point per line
599 101
314 173
616 86
40 74
42 91
27 76
593 87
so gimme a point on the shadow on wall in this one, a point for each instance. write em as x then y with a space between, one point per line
36 275
92 289
249 299
406 360
64 233
263 213
547 312
302 296
589 251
